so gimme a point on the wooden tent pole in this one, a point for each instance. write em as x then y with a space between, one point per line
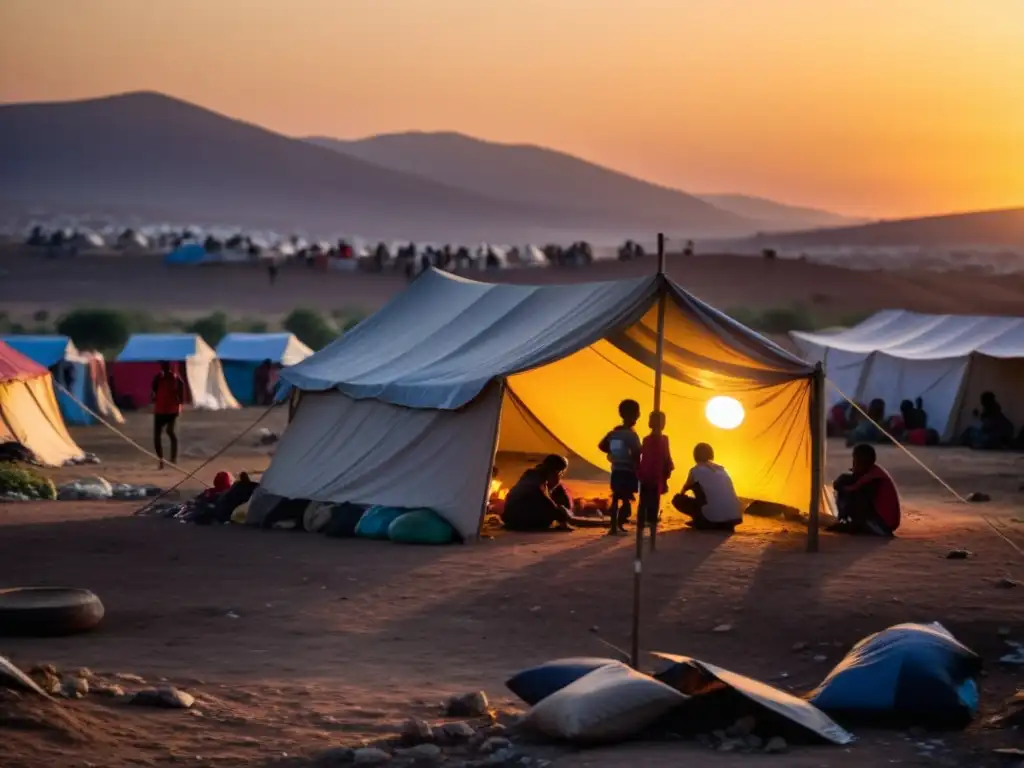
658 366
817 418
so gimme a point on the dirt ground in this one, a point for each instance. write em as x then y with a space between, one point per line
31 283
294 643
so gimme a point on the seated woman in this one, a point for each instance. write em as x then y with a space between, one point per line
991 429
538 500
867 430
867 498
239 493
714 505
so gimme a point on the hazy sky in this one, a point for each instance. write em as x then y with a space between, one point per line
874 107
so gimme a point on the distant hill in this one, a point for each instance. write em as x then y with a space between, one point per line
1001 228
165 154
527 174
773 216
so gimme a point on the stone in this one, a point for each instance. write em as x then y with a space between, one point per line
742 727
336 756
730 745
457 732
128 677
977 497
467 705
958 554
421 752
74 687
799 647
370 756
111 691
753 741
820 658
1007 583
495 744
416 732
776 746
84 672
45 676
501 757
168 697
723 628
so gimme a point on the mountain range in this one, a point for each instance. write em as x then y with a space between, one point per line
163 157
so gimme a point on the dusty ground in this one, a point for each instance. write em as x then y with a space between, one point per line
338 641
34 283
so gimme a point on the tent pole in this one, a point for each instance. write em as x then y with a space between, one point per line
658 365
817 454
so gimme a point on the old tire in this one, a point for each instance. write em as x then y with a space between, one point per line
48 611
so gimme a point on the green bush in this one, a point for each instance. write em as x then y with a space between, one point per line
41 316
776 319
250 325
26 481
212 327
312 328
96 328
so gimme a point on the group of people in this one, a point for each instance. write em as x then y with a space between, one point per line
640 471
909 425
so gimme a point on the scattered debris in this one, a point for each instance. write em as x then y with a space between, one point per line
959 554
1016 657
467 705
1005 583
820 658
428 752
978 497
46 677
105 689
166 696
370 756
266 436
456 732
128 677
416 732
12 677
74 688
776 746
336 756
495 744
723 628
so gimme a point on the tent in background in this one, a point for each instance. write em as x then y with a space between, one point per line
29 413
242 354
84 374
187 254
414 406
946 360
139 362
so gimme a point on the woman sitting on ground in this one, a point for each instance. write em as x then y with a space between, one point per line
714 505
866 497
868 430
538 500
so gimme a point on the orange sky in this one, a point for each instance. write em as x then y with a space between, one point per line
872 107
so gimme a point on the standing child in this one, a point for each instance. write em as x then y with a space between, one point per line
654 471
622 445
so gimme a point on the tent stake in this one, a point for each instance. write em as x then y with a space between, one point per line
658 365
817 454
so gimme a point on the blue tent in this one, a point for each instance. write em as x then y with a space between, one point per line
189 253
241 354
83 375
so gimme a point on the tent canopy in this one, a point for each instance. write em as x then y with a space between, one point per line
406 409
45 350
14 366
154 347
946 360
283 348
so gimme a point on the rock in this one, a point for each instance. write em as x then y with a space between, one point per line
336 756
370 756
776 746
958 554
978 497
820 658
128 677
84 672
421 752
45 676
104 689
457 733
730 745
416 732
752 741
168 697
501 757
742 727
74 688
1007 583
723 628
799 647
495 744
467 705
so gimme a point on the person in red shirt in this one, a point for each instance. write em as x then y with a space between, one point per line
168 399
653 472
866 496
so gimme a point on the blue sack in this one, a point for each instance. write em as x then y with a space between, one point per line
537 683
375 522
909 674
421 526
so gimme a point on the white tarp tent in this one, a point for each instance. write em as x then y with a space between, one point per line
946 360
410 408
138 362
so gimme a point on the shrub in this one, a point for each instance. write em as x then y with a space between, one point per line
41 316
250 325
310 327
212 327
96 328
26 481
776 319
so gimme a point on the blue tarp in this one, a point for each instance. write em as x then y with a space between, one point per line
154 347
190 253
242 353
50 350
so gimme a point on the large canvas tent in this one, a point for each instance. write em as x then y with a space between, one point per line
29 413
946 360
242 353
411 407
83 374
139 362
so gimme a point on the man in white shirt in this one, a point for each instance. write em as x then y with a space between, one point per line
714 505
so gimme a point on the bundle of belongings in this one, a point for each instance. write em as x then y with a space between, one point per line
910 674
218 504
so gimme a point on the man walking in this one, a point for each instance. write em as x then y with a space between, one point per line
168 398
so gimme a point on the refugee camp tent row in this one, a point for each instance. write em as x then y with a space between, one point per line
29 413
414 406
83 374
194 359
946 360
242 355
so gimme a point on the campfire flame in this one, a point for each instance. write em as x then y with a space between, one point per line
497 490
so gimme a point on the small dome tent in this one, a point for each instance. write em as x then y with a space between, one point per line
242 356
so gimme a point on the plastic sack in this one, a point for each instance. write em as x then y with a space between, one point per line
375 522
537 683
610 704
909 674
240 513
421 526
317 516
344 521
